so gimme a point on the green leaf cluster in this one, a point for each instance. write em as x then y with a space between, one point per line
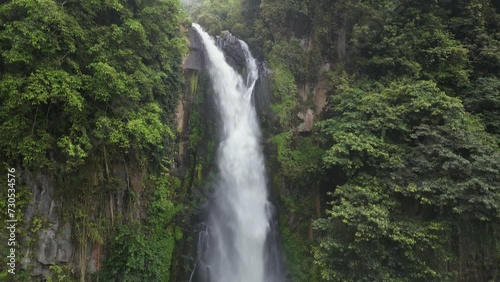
142 251
88 91
78 76
416 164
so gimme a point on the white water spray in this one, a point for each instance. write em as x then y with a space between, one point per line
238 222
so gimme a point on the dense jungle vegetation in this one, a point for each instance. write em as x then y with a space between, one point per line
87 94
405 155
398 180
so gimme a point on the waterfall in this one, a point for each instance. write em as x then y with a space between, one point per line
237 236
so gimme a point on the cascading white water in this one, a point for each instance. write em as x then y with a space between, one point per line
238 221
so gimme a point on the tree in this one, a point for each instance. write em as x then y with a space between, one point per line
418 168
86 87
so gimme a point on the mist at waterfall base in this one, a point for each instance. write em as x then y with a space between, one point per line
238 243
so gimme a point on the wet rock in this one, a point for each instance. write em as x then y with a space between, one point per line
54 245
321 89
232 49
195 59
306 44
52 215
304 91
226 35
93 264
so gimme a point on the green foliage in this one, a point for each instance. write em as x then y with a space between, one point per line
60 274
483 99
86 76
131 255
37 224
289 56
367 239
142 252
296 252
365 122
407 149
282 19
284 96
300 161
395 40
138 256
162 208
88 88
406 143
216 16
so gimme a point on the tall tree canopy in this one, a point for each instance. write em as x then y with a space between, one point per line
77 76
89 88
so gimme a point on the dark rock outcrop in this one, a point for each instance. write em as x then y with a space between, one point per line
232 49
230 45
195 59
263 91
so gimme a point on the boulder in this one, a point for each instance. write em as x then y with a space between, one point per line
229 44
232 49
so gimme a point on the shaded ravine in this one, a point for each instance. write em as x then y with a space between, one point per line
237 245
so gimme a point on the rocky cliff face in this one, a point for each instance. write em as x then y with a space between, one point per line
195 59
233 52
48 241
229 43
